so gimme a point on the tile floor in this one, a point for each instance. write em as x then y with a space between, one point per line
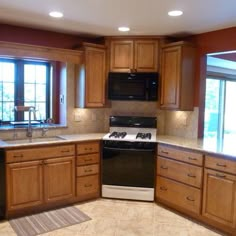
126 218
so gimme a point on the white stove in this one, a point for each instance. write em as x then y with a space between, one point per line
129 158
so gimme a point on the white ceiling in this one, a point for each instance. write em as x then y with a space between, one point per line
102 17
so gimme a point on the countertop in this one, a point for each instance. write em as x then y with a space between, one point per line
211 146
203 145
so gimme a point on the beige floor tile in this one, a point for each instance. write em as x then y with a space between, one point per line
111 217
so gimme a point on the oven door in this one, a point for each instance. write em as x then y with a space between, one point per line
132 167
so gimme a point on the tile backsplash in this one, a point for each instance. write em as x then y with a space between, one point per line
79 120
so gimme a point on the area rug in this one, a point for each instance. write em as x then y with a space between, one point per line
48 221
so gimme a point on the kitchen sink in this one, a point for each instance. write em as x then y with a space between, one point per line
33 140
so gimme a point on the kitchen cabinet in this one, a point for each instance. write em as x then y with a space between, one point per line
59 178
39 176
177 76
91 77
134 55
24 185
88 170
219 196
179 177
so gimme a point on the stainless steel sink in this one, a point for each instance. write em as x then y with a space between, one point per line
33 140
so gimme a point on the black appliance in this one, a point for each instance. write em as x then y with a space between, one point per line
128 159
132 86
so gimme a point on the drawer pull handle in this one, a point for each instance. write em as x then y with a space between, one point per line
190 199
191 175
87 185
165 152
88 159
65 151
192 158
88 171
163 188
18 156
164 167
221 165
220 175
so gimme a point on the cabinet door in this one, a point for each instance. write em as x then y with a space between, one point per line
59 178
121 56
95 72
146 55
170 79
219 197
24 185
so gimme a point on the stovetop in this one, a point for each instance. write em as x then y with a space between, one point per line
130 128
131 134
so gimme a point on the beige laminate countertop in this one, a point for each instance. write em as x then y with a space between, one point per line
46 140
210 146
206 146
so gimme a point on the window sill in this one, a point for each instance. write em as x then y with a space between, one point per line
23 127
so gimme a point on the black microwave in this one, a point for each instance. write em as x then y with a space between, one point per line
132 86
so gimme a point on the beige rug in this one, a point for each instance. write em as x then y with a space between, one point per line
48 221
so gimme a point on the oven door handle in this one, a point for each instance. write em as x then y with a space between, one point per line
127 149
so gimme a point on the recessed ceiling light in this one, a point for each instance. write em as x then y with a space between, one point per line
124 29
175 13
56 14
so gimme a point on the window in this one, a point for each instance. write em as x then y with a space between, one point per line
24 83
220 109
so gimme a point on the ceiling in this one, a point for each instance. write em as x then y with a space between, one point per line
103 17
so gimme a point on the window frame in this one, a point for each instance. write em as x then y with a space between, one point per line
19 84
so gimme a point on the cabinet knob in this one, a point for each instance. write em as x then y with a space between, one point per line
190 199
191 175
18 156
220 175
65 151
163 188
165 152
164 167
221 165
87 185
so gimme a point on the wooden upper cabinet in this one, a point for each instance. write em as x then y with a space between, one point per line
134 55
177 76
219 198
90 77
121 58
95 73
146 55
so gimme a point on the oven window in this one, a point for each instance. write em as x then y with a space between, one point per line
128 168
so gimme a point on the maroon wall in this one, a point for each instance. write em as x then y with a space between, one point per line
19 34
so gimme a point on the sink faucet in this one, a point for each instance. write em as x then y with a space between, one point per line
30 129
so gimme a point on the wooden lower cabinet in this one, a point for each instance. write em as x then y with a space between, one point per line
87 185
36 183
59 178
24 185
179 194
219 197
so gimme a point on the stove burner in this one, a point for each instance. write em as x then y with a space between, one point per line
117 135
143 136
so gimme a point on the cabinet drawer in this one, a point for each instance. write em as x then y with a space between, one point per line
87 170
91 147
179 171
87 185
178 194
221 164
88 159
181 155
39 153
